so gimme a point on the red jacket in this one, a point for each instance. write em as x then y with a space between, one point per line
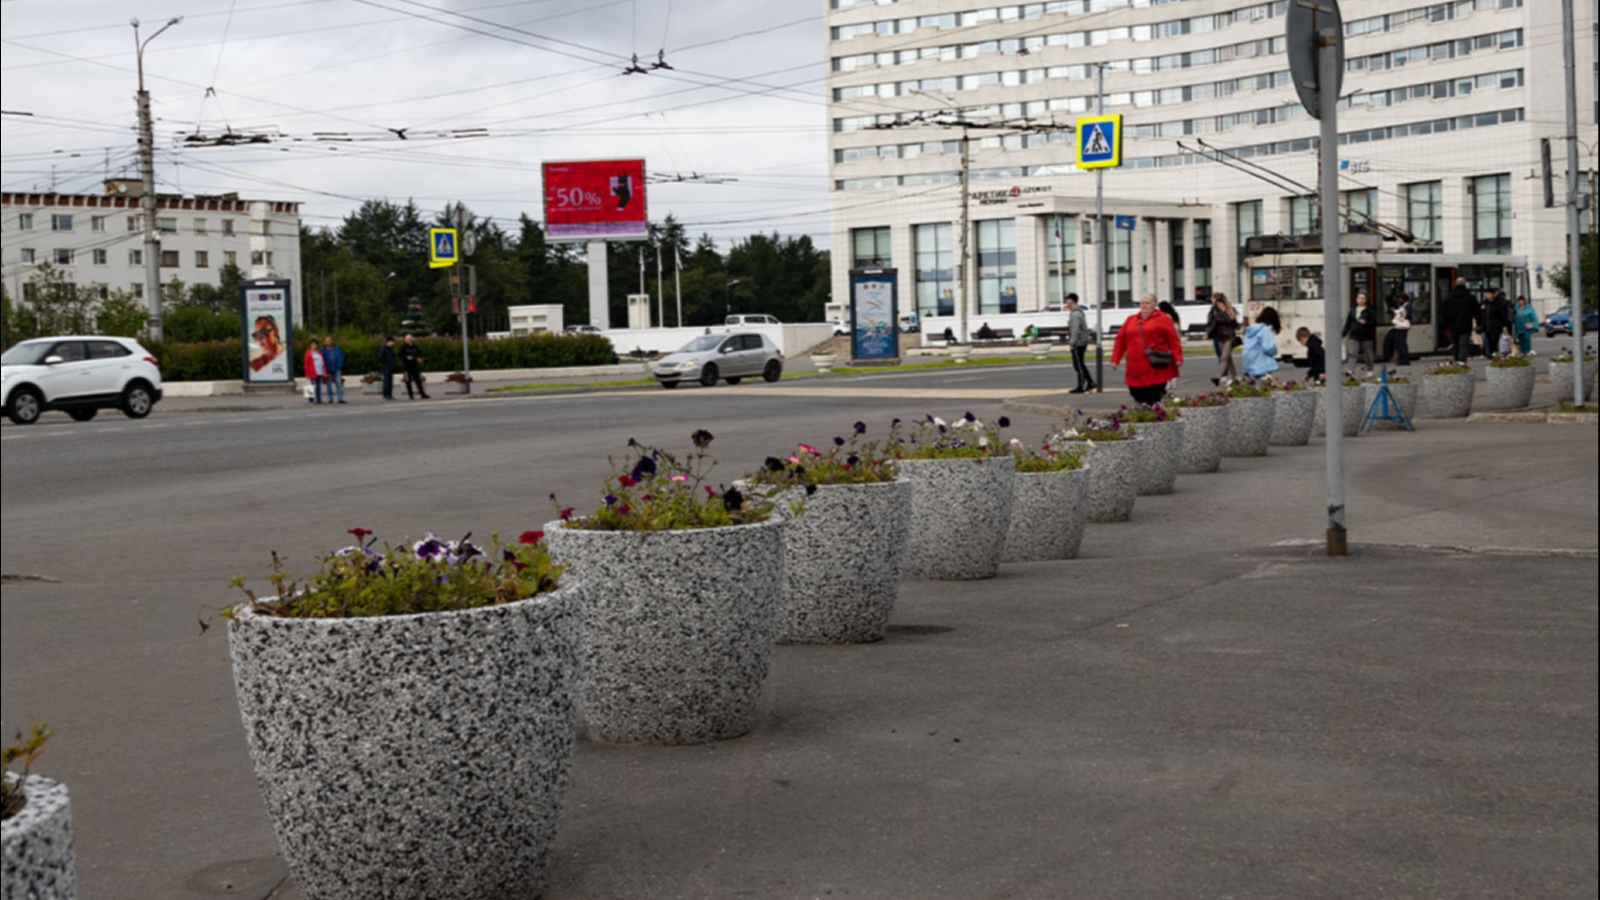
310 364
1138 335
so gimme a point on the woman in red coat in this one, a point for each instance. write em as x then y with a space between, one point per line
1148 333
316 371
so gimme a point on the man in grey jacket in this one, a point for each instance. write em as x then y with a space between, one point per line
1078 340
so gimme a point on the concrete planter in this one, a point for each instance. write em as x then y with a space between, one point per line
960 352
1250 425
823 362
1354 402
1205 437
842 562
1039 351
1512 388
1163 451
678 628
1561 380
1294 417
1048 515
422 756
39 849
1450 396
1114 468
457 387
1403 394
373 389
960 514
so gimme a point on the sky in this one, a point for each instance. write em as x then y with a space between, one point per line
483 90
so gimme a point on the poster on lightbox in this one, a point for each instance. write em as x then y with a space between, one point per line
874 311
269 335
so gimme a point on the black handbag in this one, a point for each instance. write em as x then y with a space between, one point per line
1158 359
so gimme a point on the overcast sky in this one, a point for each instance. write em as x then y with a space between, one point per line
328 79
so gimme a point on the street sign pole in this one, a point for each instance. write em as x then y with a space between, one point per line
466 303
1100 235
1574 236
1332 281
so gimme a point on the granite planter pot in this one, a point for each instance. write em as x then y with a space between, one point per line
1250 425
1205 437
1450 396
678 628
960 515
1561 380
1404 394
457 387
1294 417
1163 451
39 845
1039 350
419 756
960 352
842 562
372 388
1354 403
1114 468
1048 515
1511 387
823 362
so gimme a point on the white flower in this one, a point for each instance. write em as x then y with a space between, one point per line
983 442
1016 443
938 421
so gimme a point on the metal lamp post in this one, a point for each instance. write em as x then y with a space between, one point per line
147 173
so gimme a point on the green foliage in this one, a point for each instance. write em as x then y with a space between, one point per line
1561 275
221 360
1505 362
121 314
1565 356
1047 458
1081 428
1246 388
26 750
847 461
661 492
1449 368
199 323
57 304
431 575
1145 414
933 438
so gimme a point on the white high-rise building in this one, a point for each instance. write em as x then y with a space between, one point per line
1446 103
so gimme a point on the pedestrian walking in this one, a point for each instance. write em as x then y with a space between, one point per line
1526 324
316 370
1171 313
1400 329
387 363
1361 328
1316 355
411 360
1498 316
333 354
1149 341
1460 314
1222 327
1078 340
1261 344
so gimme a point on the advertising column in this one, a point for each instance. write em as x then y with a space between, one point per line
268 332
874 315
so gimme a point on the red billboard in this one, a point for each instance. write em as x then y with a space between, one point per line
595 200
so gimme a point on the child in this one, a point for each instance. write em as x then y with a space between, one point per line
1315 354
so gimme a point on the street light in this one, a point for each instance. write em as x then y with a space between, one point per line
727 295
147 172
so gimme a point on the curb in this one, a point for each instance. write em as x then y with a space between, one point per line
1536 418
1533 552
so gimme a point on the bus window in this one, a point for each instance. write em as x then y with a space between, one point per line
1308 283
1416 282
1480 278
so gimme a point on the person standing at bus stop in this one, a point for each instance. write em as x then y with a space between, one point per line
1149 341
1498 317
334 354
1526 324
411 361
1460 313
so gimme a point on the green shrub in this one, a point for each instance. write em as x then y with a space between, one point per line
223 359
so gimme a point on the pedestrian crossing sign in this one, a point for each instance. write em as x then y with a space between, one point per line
1100 142
444 248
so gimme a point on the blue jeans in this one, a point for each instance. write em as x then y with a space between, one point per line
335 383
316 388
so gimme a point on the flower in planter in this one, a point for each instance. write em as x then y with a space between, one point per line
1510 362
1080 428
371 378
26 750
852 460
1395 376
659 491
1450 368
1198 401
429 575
932 438
1565 356
458 378
1249 388
1048 458
1147 414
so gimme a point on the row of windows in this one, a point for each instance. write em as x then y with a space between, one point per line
1438 12
170 259
974 18
1275 148
164 224
1423 207
1081 6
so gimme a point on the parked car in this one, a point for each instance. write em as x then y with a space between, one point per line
583 329
1560 322
731 357
840 326
741 320
79 376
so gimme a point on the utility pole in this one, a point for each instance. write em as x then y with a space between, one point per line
1574 236
465 300
661 293
1100 238
147 173
966 230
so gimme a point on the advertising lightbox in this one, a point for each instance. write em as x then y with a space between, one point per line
595 200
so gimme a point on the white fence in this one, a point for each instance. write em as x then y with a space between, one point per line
793 340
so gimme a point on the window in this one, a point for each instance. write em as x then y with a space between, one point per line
64 256
260 257
1305 215
997 266
25 221
870 248
167 225
1175 249
1491 214
230 258
1247 218
100 257
135 257
107 350
169 259
199 226
1423 211
134 223
202 259
227 227
97 224
1062 249
27 254
1361 207
59 222
1202 259
260 227
934 248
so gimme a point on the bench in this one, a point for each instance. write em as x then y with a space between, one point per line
996 336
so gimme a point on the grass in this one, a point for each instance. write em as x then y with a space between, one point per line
1570 408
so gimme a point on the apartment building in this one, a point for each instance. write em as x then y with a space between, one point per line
1445 104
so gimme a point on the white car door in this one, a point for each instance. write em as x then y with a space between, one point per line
107 366
67 376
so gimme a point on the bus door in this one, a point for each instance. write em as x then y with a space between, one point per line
1444 281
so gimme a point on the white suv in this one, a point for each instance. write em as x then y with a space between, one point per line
79 376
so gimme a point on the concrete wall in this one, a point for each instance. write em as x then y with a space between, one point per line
793 340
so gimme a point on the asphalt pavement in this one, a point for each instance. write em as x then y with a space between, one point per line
1203 705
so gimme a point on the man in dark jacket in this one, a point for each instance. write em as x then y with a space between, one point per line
387 363
1460 314
1497 316
1316 356
411 359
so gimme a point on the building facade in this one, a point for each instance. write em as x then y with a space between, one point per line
1445 105
97 240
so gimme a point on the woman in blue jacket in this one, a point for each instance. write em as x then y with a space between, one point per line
1261 344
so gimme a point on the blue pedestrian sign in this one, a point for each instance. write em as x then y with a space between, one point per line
1100 142
444 248
1127 223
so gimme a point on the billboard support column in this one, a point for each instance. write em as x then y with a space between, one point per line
599 287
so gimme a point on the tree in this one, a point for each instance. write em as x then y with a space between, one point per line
1561 275
121 314
58 307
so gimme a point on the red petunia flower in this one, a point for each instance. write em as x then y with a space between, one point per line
567 513
627 481
361 533
807 448
531 538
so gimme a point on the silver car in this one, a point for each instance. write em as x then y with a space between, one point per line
731 357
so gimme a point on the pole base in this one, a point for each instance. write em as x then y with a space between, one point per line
1338 545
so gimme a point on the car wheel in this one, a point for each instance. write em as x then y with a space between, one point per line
708 376
772 372
736 379
82 415
669 385
137 401
25 407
